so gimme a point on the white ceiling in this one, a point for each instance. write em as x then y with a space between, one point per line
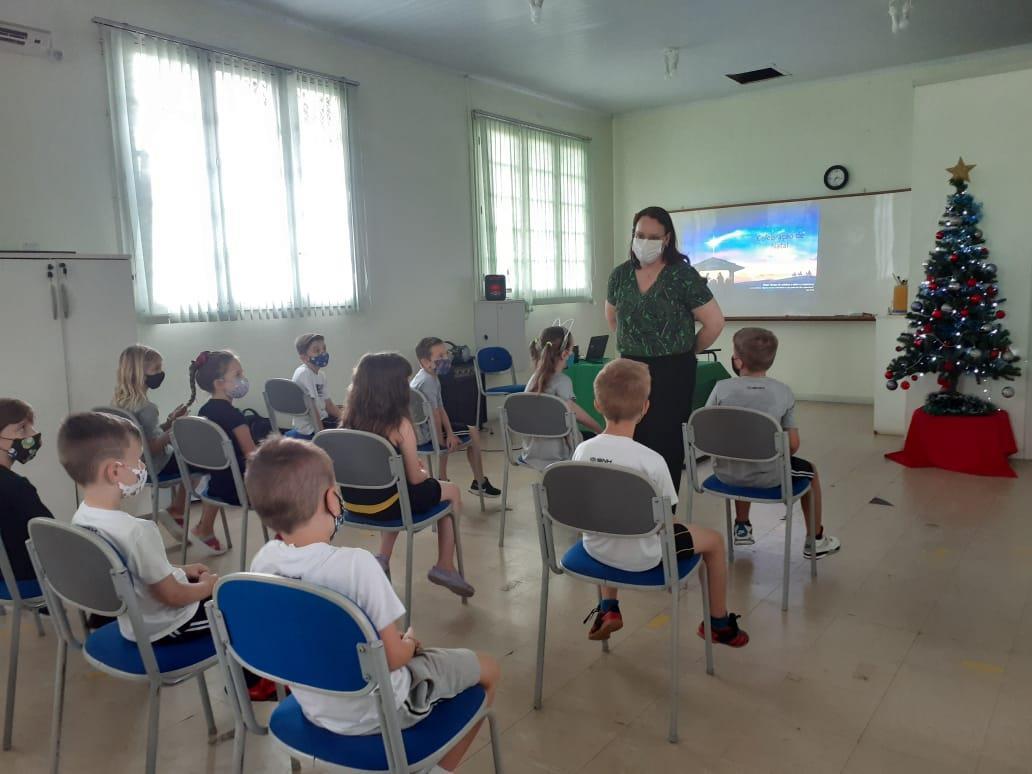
608 54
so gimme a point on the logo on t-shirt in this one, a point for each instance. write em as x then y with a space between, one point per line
601 459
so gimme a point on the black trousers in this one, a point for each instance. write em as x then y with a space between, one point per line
670 405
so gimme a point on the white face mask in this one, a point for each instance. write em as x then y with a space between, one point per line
128 490
647 250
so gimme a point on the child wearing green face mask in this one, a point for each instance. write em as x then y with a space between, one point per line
19 501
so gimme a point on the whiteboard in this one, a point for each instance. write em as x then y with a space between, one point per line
825 256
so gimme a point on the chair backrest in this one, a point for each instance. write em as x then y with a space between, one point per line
316 639
201 443
600 498
78 565
283 396
734 433
148 458
492 360
360 460
535 414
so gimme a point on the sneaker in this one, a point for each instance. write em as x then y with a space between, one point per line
604 624
385 564
743 534
451 580
489 490
826 544
172 523
265 690
729 635
208 546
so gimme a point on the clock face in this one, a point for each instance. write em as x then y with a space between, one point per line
836 177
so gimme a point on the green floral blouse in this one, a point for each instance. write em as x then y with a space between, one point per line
659 321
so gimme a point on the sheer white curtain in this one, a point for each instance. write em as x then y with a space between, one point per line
235 178
533 209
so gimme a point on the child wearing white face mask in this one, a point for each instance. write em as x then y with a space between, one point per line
102 454
219 372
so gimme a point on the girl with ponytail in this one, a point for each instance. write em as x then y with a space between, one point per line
551 353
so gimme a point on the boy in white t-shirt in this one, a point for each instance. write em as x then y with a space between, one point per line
291 485
102 454
311 348
622 396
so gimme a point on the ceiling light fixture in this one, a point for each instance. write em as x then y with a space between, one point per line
671 55
535 10
899 12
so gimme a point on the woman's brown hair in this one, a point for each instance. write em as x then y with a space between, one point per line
670 252
206 368
546 351
378 399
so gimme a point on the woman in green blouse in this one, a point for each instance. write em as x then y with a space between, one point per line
654 301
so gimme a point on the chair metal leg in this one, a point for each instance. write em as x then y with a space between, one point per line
239 742
209 717
813 535
409 548
505 501
605 643
225 527
39 622
458 551
788 552
59 695
12 675
675 672
186 526
730 532
707 624
496 753
243 543
542 624
153 712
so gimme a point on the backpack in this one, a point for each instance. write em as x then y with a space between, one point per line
259 426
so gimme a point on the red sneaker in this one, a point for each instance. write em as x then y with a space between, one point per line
729 635
605 624
264 690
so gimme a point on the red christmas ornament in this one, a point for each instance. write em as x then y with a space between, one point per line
914 378
1001 314
993 354
940 234
983 251
937 314
977 298
930 277
991 291
905 386
888 374
972 282
899 349
933 286
954 258
927 328
964 312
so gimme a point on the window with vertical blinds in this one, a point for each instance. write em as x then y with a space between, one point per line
533 216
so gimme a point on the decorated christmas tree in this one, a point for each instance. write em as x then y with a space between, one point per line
956 319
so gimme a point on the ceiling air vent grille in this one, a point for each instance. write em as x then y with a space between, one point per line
19 39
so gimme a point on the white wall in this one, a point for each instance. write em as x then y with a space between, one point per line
776 144
994 134
412 135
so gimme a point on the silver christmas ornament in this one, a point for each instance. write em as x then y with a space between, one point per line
1007 392
946 308
954 286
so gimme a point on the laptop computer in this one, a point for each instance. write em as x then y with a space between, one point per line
596 349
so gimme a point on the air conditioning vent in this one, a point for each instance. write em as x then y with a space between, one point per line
753 76
24 40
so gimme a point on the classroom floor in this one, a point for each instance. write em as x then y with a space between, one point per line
912 651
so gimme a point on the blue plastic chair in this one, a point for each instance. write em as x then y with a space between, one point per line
351 662
615 502
423 417
366 461
746 435
16 595
490 361
81 568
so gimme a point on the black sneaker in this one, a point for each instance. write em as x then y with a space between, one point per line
489 490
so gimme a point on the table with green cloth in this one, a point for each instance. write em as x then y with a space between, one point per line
583 374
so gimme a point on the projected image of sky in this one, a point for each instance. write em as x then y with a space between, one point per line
766 247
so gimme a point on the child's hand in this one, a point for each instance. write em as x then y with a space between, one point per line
194 571
208 580
409 636
453 442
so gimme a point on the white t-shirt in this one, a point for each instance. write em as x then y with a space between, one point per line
630 554
355 573
315 385
143 550
539 453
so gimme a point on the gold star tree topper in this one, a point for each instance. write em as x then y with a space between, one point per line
961 171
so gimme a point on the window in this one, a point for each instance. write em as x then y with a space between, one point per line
236 185
533 218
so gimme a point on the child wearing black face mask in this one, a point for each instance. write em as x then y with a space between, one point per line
19 501
140 369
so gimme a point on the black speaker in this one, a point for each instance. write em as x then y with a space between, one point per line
494 287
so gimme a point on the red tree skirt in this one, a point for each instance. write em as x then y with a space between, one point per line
976 445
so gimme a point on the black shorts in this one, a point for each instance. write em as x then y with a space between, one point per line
380 504
683 543
802 468
460 429
192 629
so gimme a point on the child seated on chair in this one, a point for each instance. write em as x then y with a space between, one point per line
753 355
622 396
311 348
551 354
434 362
378 403
102 453
291 485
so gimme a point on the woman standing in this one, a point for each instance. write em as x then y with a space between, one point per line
654 300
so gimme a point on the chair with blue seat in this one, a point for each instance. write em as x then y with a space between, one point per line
80 568
530 415
200 444
488 362
283 396
367 461
611 501
422 416
356 666
745 435
155 481
16 595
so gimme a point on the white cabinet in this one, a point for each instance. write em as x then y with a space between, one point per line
64 319
503 324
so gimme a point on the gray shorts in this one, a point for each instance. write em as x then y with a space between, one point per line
437 674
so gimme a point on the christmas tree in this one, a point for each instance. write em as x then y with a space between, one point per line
955 322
